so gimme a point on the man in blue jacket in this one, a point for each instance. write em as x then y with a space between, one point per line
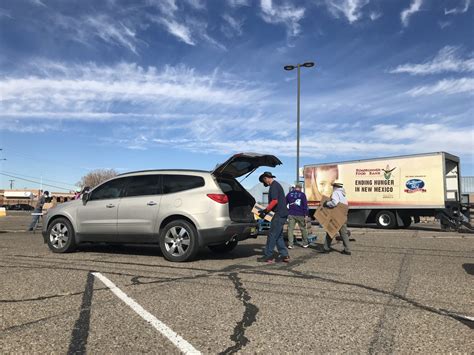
297 212
277 204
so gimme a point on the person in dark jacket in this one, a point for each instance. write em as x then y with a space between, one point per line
277 204
38 209
298 210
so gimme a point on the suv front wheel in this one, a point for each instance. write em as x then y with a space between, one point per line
178 241
61 236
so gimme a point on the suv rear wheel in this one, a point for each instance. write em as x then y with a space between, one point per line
178 241
61 236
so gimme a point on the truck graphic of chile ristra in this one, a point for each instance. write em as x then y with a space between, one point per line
415 185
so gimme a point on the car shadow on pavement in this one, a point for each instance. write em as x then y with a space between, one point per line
240 251
124 249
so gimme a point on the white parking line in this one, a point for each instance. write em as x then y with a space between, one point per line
177 340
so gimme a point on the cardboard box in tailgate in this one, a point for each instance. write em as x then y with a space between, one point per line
257 208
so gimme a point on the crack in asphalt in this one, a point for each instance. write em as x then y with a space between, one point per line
384 335
262 270
80 332
249 317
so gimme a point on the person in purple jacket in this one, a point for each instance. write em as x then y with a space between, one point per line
297 212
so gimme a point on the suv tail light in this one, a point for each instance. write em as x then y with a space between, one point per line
219 198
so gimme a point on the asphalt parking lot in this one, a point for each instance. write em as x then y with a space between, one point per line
400 291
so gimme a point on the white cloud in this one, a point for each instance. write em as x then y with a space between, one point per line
186 27
387 138
60 91
407 13
101 26
179 30
232 26
350 9
38 3
445 86
197 4
237 3
375 15
447 60
285 14
5 13
458 10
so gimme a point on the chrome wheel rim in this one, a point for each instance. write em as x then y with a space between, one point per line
59 235
177 241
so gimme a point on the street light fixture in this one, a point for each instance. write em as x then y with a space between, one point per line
291 67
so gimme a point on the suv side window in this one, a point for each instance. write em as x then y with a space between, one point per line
176 183
111 189
143 185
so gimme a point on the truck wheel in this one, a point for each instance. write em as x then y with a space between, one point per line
386 219
61 236
224 247
179 241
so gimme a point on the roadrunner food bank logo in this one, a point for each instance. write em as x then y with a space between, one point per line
414 185
387 172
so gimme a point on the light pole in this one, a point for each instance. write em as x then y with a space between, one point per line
291 67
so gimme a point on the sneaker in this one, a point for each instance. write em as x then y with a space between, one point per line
285 259
290 246
346 252
265 259
305 245
30 229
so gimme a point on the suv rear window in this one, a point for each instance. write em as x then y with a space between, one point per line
176 183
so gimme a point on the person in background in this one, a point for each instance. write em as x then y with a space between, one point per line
77 195
277 204
81 192
338 196
38 209
297 212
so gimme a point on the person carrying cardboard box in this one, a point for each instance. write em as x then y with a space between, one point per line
338 196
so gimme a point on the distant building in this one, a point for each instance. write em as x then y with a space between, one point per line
30 196
467 184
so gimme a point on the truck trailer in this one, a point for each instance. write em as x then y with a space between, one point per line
394 191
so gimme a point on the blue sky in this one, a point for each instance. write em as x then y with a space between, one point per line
143 84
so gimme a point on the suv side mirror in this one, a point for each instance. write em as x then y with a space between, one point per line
85 197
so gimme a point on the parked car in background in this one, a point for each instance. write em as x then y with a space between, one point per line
180 210
20 207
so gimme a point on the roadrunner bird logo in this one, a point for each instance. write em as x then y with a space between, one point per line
387 172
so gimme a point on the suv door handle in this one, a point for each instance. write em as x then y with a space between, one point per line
151 203
110 205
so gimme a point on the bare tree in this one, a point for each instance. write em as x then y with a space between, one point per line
95 177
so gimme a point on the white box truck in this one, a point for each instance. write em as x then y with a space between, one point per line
393 191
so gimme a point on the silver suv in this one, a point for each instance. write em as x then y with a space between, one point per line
181 210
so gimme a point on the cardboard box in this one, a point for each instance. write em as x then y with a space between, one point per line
257 208
331 219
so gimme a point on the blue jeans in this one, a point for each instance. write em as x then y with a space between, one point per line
275 237
35 218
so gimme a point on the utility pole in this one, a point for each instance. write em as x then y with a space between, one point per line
11 184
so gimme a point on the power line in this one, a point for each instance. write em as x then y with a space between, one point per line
36 182
35 177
